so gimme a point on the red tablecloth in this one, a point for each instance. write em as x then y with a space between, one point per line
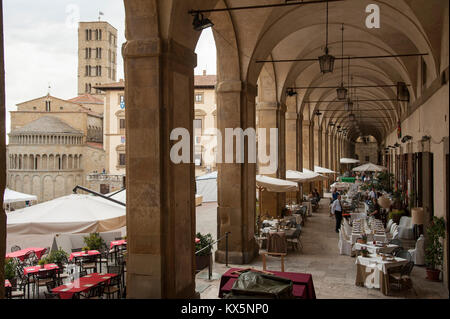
39 251
83 254
298 279
82 284
7 283
118 243
35 269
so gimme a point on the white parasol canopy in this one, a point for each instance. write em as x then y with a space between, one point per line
369 167
322 170
275 184
319 177
340 186
73 214
306 176
348 161
121 195
11 196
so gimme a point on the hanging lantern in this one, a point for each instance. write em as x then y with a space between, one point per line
349 105
402 92
326 62
341 92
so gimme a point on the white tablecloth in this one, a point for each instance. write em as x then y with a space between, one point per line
375 249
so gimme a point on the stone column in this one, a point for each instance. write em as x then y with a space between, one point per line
272 115
305 144
327 150
236 182
2 159
291 140
312 137
159 88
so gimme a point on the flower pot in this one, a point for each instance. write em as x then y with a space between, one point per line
201 262
433 274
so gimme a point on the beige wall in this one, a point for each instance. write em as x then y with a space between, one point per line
206 111
370 149
112 134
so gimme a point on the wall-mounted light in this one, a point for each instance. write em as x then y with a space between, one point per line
406 138
200 23
396 145
426 138
291 92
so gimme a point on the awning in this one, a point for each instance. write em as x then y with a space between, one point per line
348 161
72 214
369 167
276 185
322 170
11 196
306 176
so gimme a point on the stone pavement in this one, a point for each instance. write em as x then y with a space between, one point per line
333 274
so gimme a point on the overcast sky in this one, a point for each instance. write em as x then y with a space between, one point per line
41 46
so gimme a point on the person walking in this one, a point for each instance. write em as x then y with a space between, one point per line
336 210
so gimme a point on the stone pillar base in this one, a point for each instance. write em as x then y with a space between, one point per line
237 257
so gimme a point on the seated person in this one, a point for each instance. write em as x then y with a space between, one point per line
375 209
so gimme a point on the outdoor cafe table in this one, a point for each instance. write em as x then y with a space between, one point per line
20 254
303 286
32 270
82 284
373 272
114 243
80 254
375 249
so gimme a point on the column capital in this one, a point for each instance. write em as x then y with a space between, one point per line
267 106
292 116
229 86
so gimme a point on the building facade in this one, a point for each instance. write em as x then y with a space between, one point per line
53 145
97 56
205 123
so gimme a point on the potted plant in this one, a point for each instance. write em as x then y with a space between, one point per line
10 271
42 262
58 257
202 250
434 252
86 249
362 239
364 252
94 241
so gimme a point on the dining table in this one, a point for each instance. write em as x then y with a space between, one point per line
82 284
81 254
373 271
303 287
114 243
32 270
20 254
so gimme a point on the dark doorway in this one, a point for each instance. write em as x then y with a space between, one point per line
104 188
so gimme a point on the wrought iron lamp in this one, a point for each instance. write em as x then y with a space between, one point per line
326 61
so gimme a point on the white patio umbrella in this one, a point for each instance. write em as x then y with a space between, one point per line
319 177
276 185
306 176
11 196
348 161
121 195
322 170
369 167
72 214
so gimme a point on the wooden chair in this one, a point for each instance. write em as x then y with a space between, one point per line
402 277
95 292
51 295
282 255
89 263
113 287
